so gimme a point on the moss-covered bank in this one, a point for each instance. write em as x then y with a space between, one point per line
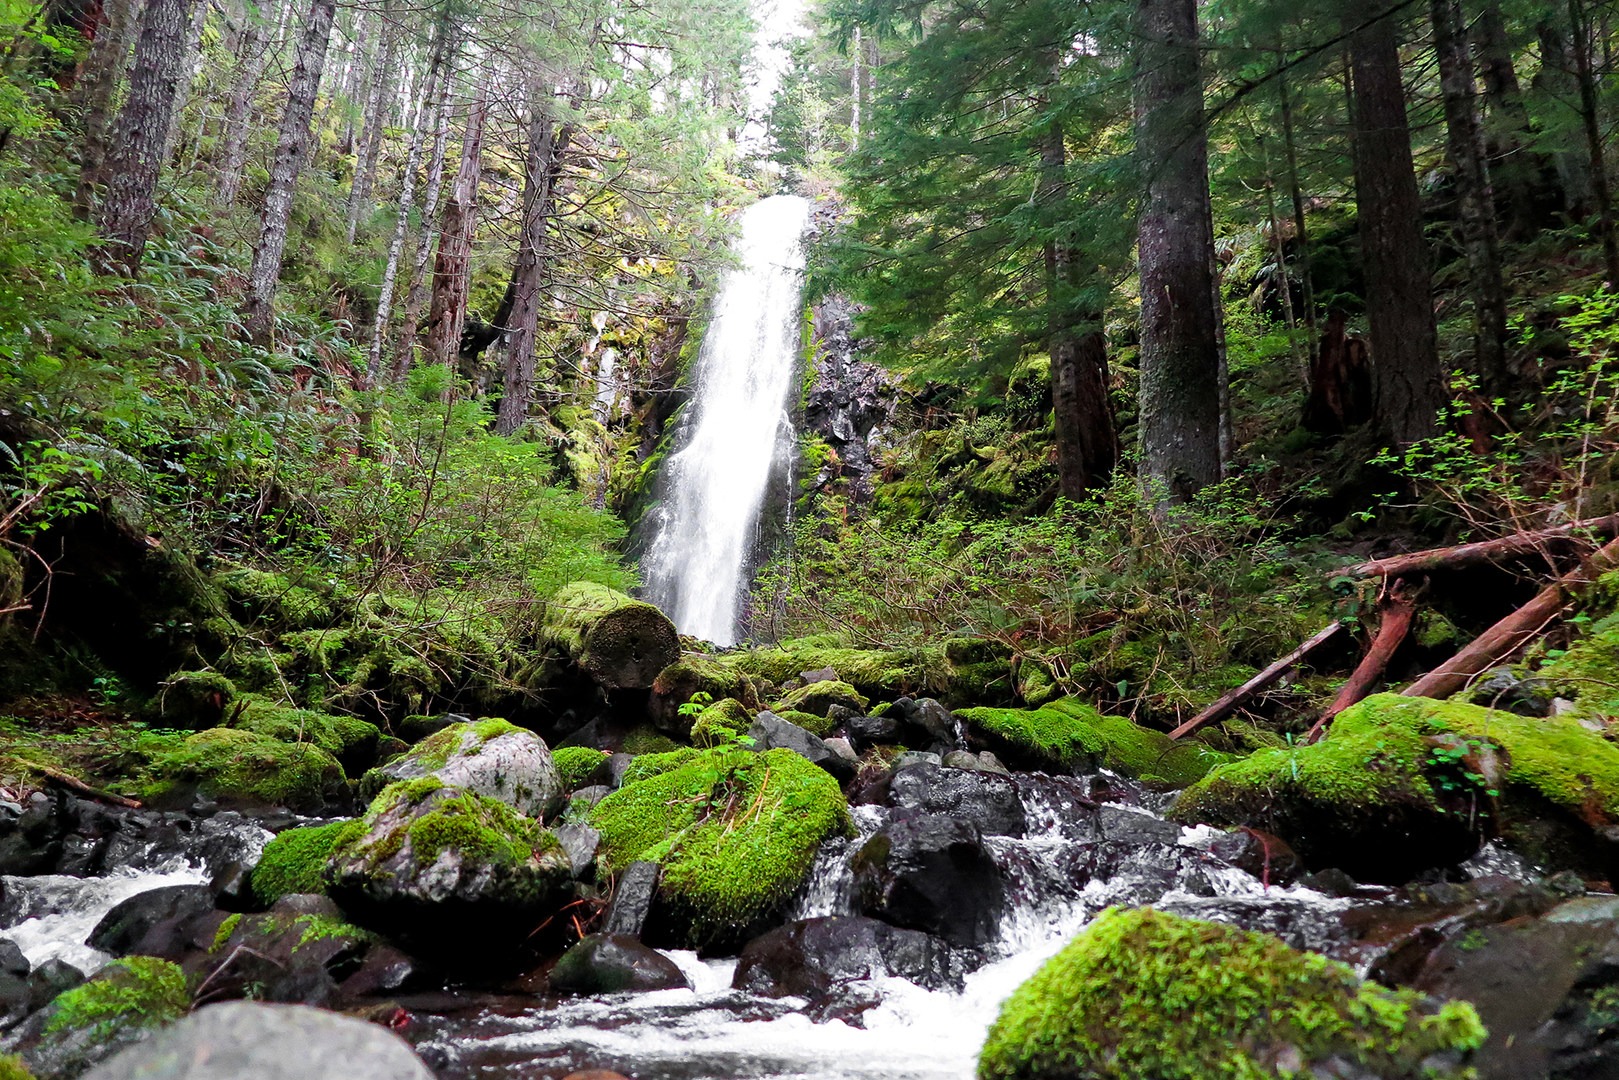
1069 734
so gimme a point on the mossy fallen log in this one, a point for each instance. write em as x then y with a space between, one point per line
619 642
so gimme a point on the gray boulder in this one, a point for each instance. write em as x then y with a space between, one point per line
615 964
487 757
771 732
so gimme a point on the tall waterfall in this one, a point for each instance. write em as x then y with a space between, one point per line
735 430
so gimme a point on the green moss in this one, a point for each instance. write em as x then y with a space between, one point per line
691 675
647 739
12 1068
226 929
1588 672
720 723
294 861
873 672
577 764
193 699
815 725
339 736
313 928
648 765
243 767
1144 994
278 599
735 832
137 991
817 698
1069 734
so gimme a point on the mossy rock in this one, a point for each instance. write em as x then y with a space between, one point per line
1404 784
817 699
280 600
12 1067
721 723
647 739
294 862
243 769
691 675
1070 735
490 757
115 1008
815 725
735 832
1588 672
649 765
192 699
876 673
579 765
350 740
1145 994
619 642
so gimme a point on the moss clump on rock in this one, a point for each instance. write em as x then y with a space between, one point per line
873 672
284 602
490 757
1069 734
735 832
344 737
578 764
193 699
649 765
241 768
691 675
294 862
1145 994
720 723
647 739
815 725
13 1068
1397 773
1588 672
817 698
135 992
617 641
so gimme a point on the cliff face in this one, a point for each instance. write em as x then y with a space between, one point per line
849 407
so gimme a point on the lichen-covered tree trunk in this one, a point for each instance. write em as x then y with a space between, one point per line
1591 124
1513 165
619 642
373 121
405 352
190 68
141 130
1408 385
1557 88
291 151
1475 201
451 267
1180 379
95 92
253 55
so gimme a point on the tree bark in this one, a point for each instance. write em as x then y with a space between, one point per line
138 136
190 67
292 149
1513 166
417 296
373 121
1408 383
1591 121
254 55
95 92
452 265
1487 551
1180 391
1301 233
1557 85
1475 201
1399 610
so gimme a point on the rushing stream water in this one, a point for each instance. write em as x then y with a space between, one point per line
736 430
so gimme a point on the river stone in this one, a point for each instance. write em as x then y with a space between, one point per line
1122 825
869 731
615 964
633 893
770 732
241 1039
924 722
490 758
580 842
157 922
296 953
12 960
988 801
1262 854
812 957
931 873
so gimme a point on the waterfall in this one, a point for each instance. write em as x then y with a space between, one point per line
736 430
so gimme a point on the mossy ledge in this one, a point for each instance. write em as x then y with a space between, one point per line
578 765
734 830
241 768
1145 994
1070 734
294 862
135 992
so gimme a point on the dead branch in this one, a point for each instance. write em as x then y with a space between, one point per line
1399 609
1484 551
1248 689
74 784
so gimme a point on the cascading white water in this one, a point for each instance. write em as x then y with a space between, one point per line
735 430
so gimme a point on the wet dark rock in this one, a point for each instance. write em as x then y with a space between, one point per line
63 834
383 970
158 922
840 746
917 757
931 873
12 960
50 979
1261 854
232 886
868 731
841 714
1332 881
633 893
813 957
1504 689
989 802
850 402
770 732
1132 827
1396 937
300 951
580 842
266 1042
923 722
16 1000
846 1004
614 964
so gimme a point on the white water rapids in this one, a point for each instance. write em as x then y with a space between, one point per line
736 430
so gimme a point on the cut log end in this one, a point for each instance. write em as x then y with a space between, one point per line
620 642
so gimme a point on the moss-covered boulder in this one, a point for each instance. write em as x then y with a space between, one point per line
281 601
116 1007
817 698
1144 994
579 766
720 723
1588 672
491 758
350 740
876 673
453 873
244 770
294 862
735 833
619 642
691 675
192 699
1403 784
1070 735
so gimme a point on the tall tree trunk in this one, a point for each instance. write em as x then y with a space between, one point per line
1513 166
138 135
95 92
1591 121
1475 201
373 121
190 66
1290 149
1408 384
1180 376
1558 87
291 151
356 58
405 353
253 55
856 55
433 95
451 267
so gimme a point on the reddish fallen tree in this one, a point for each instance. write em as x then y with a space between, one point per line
1248 689
1486 551
1399 610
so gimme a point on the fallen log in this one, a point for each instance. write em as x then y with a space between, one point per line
1514 631
617 641
1399 611
1236 697
79 787
1483 551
